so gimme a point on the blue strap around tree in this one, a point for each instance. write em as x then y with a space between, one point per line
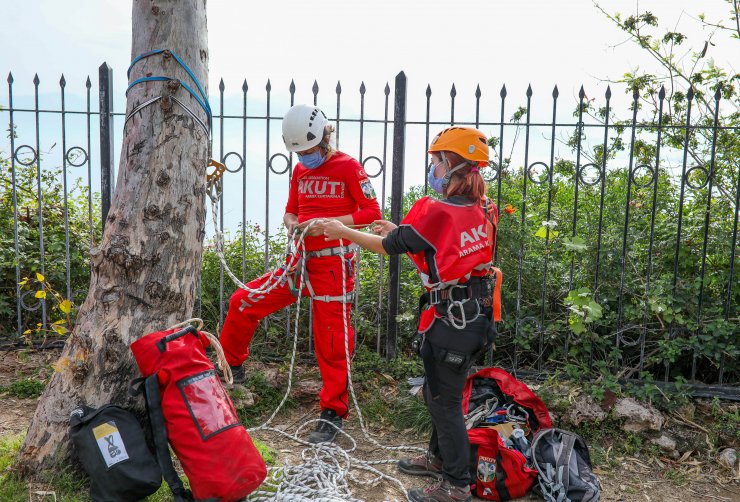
202 99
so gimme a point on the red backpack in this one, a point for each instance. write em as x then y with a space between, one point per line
189 406
500 470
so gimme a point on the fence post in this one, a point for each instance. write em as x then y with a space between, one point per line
105 85
399 151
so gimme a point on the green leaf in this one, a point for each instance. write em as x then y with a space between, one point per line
575 244
576 325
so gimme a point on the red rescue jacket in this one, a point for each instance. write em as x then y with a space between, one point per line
464 241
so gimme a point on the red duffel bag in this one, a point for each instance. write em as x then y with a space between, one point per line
501 472
197 417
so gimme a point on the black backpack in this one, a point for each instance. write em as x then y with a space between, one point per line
563 466
111 447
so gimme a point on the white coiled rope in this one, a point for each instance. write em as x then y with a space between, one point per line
326 468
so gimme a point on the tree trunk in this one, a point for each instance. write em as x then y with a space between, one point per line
145 272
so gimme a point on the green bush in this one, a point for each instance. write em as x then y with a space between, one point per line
81 238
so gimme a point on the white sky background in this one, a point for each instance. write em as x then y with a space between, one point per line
486 42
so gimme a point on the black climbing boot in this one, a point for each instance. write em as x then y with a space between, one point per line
237 373
326 430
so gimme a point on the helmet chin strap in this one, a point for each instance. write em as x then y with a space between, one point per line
449 170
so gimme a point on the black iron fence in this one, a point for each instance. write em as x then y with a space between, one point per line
618 238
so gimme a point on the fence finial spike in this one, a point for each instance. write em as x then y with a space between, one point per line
315 87
529 91
429 91
62 81
10 77
581 93
88 84
661 94
36 80
245 87
477 91
718 92
387 89
555 92
339 87
608 93
362 87
268 87
453 91
503 92
690 94
221 85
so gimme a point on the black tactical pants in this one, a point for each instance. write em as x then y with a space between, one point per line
447 354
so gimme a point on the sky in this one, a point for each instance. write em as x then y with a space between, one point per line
436 43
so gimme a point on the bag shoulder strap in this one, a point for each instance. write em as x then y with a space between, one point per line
568 441
159 433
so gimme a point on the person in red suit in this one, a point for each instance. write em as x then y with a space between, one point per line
451 242
326 183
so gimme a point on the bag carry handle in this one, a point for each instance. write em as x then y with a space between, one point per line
159 433
162 343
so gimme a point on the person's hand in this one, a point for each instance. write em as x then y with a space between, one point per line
382 227
332 229
314 226
290 221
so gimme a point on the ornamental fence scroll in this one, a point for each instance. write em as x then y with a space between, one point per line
617 238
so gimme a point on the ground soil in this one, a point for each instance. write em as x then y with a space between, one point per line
638 478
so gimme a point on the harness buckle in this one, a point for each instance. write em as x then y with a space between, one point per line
434 297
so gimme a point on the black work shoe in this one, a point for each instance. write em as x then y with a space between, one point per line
425 464
326 430
441 491
237 374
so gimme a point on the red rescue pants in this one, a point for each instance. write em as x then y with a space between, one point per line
325 277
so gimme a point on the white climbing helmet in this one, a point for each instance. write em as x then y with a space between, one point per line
303 127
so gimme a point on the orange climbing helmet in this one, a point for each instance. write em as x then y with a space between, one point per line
467 142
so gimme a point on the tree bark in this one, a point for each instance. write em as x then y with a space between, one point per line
145 272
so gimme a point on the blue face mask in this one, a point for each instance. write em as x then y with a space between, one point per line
312 160
436 184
